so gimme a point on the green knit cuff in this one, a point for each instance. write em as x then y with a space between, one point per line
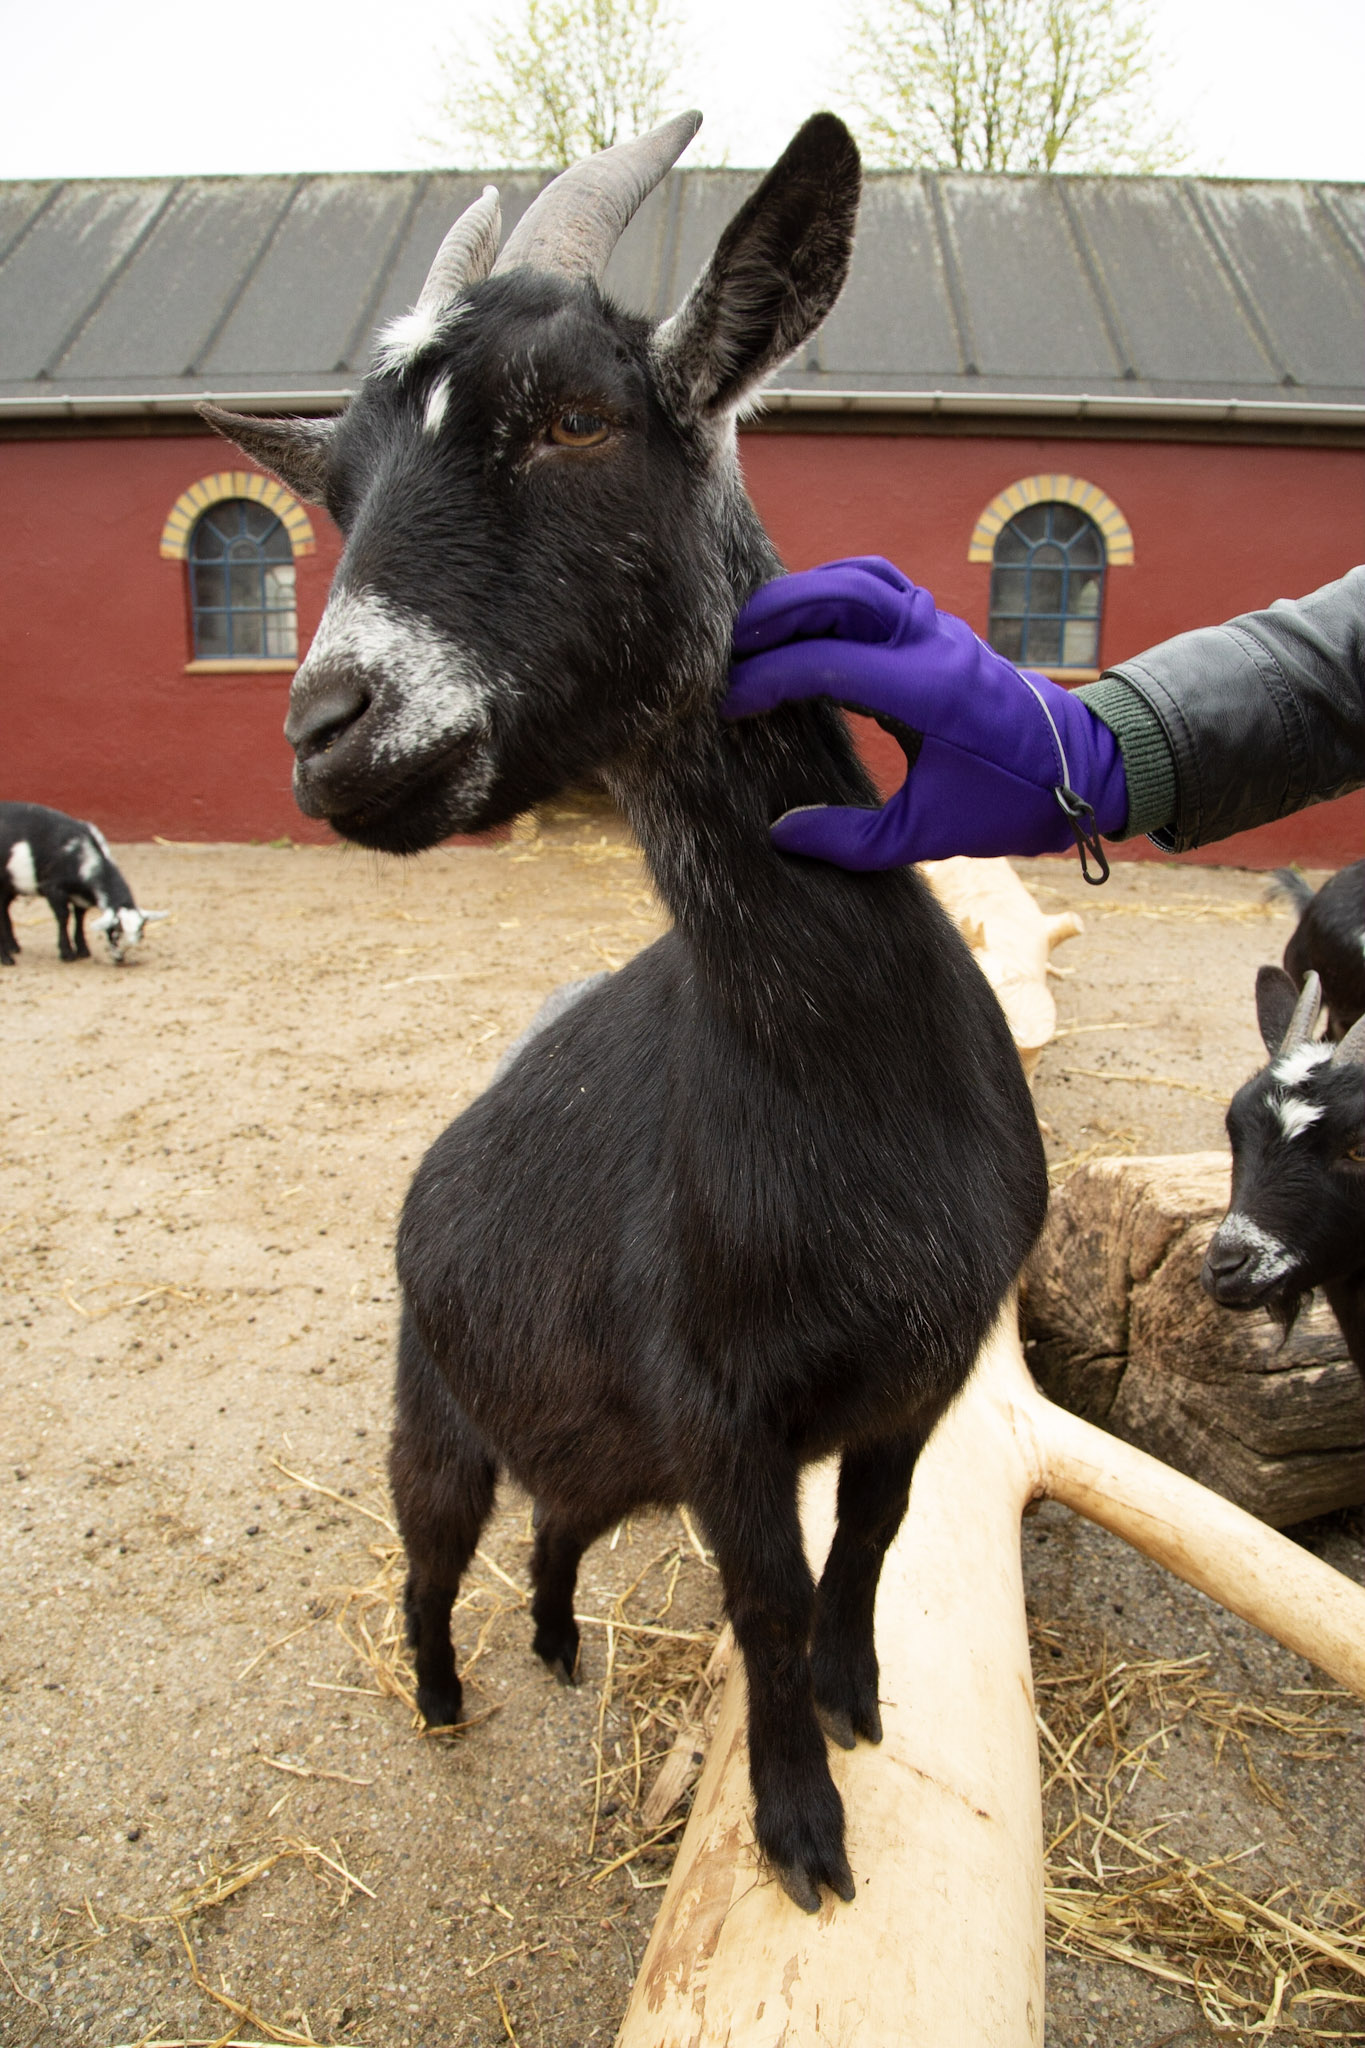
1148 763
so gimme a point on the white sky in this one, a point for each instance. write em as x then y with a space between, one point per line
1263 88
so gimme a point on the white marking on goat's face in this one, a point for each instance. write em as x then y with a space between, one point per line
437 401
431 688
1272 1258
1298 1065
1296 1115
20 869
400 343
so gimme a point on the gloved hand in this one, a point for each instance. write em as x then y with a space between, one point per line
1007 758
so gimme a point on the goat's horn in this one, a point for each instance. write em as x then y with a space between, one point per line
1351 1051
1304 1021
467 254
572 227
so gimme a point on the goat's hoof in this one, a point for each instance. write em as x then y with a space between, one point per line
802 1886
837 1726
558 1652
439 1708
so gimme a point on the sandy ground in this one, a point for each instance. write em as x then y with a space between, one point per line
204 1155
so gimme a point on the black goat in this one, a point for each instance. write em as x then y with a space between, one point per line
1297 1219
759 1196
1329 941
45 853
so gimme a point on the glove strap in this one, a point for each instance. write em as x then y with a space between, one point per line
1079 815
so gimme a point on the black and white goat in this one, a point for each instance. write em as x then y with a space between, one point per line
45 853
1329 941
759 1196
1297 1219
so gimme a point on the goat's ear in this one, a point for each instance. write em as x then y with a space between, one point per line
1276 998
295 451
778 269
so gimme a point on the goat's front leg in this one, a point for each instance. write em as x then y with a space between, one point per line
756 1533
60 904
874 1490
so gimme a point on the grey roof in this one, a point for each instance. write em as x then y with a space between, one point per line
1025 294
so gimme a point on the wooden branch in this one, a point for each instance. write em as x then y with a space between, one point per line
943 1946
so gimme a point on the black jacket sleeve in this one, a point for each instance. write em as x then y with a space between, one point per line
1232 726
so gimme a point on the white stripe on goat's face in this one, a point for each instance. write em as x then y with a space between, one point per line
429 689
1296 1115
437 400
1272 1259
20 869
1296 1066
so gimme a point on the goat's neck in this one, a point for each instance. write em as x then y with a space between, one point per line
797 954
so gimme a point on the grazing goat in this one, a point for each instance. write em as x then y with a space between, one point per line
759 1196
45 853
1297 1219
1329 939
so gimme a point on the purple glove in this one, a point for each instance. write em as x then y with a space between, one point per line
1009 762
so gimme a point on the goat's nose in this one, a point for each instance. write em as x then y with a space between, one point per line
1225 1265
321 712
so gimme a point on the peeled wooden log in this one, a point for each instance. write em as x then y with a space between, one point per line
1121 1332
943 1945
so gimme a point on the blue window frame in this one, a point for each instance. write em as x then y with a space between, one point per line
242 585
1047 588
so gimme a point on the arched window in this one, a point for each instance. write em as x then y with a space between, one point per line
242 584
1047 588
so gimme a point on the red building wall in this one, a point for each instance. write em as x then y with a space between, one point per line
100 718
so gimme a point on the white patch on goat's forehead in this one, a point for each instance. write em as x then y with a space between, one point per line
132 922
404 339
438 398
1295 1114
435 689
1299 1064
1273 1258
20 869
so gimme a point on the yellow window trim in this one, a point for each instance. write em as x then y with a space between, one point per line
267 665
234 483
1055 490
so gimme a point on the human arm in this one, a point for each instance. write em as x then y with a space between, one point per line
1236 725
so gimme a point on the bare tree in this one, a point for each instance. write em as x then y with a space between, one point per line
562 79
1008 85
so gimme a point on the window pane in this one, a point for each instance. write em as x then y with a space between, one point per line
244 586
1084 597
1008 590
1067 522
208 543
1078 643
1044 644
1045 589
210 586
256 521
281 636
248 633
1007 638
1011 545
1087 547
1032 523
279 586
1047 555
211 636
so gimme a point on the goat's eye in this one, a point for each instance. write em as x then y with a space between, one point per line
579 430
1356 1153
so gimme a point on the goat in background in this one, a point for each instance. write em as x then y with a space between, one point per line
760 1195
1297 1217
1329 941
45 853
